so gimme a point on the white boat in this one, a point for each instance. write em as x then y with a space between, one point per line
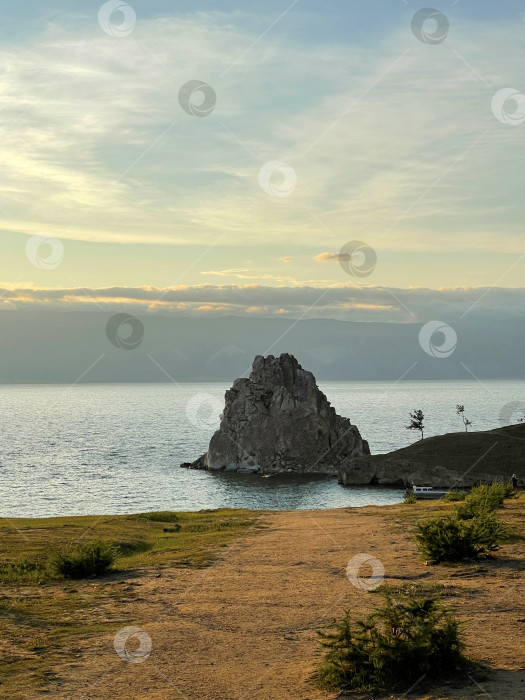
427 492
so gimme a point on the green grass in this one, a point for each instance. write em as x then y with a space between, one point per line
46 618
23 570
43 626
141 539
161 516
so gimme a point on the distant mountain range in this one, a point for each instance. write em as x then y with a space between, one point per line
53 347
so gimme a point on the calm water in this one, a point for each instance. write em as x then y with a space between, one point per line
116 448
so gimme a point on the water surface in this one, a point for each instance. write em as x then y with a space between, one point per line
103 448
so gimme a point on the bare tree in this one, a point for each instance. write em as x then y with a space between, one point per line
460 411
416 422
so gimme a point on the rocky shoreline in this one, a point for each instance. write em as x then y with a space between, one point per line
278 421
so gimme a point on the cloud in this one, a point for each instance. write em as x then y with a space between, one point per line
286 260
243 274
331 257
257 310
345 302
384 140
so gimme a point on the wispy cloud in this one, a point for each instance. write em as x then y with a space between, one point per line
82 108
331 257
244 274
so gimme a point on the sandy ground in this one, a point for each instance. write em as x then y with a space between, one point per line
244 629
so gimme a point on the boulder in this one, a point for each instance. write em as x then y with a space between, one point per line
279 421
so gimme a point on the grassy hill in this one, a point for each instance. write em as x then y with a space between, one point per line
451 460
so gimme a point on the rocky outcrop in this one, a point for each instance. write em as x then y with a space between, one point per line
455 460
279 421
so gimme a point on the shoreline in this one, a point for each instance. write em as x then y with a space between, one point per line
371 487
253 511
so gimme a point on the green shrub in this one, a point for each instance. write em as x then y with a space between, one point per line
471 509
410 497
392 648
504 488
87 559
23 571
452 496
484 499
452 539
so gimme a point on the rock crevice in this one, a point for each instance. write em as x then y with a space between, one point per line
278 420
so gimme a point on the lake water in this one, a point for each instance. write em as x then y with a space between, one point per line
117 448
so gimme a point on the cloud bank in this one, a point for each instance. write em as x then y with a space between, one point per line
343 302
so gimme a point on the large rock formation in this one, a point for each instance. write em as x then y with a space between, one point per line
277 421
455 460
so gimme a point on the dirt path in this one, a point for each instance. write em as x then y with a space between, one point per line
244 628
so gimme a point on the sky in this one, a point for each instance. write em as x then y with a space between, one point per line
349 160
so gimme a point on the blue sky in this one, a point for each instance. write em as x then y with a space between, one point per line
391 141
331 20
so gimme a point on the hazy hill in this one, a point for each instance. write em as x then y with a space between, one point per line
45 346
